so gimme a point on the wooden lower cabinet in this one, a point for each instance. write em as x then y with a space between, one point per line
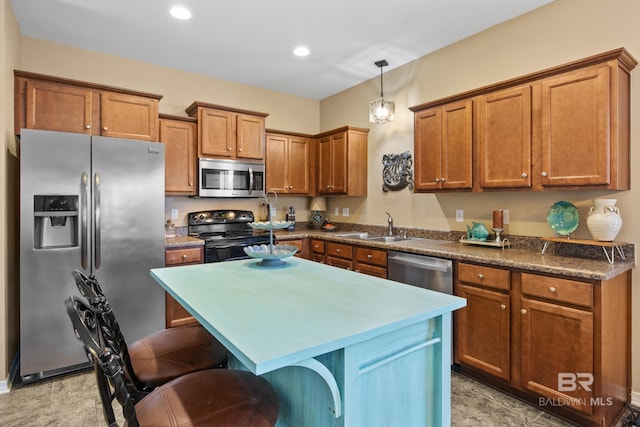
175 314
563 344
317 250
370 261
301 244
340 255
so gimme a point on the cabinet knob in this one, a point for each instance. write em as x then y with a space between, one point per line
524 174
338 250
228 148
239 149
191 184
480 276
87 127
368 256
105 128
184 256
442 179
543 173
503 307
523 311
552 289
437 179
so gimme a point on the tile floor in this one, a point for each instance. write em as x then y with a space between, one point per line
73 401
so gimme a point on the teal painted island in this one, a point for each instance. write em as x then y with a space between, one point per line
340 348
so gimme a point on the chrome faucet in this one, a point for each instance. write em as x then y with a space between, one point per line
389 224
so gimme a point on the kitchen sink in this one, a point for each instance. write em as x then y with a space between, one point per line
375 237
389 239
362 236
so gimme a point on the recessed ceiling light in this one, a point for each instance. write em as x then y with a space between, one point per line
180 12
301 51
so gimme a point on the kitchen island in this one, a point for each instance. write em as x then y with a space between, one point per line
340 348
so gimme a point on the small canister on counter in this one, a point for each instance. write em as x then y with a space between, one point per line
291 216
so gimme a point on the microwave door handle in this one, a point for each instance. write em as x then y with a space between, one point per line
250 180
96 218
84 211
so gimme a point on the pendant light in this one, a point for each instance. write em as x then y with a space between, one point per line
381 111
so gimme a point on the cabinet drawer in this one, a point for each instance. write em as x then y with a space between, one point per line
484 276
317 246
371 270
347 264
371 256
191 255
339 250
556 289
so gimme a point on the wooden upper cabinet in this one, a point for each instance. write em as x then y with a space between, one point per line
64 105
225 132
58 107
128 116
575 144
178 135
444 147
504 138
565 128
342 161
287 163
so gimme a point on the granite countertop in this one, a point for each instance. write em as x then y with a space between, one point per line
521 259
181 241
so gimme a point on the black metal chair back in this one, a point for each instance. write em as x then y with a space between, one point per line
91 290
108 367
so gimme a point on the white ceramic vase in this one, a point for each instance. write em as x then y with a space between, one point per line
604 220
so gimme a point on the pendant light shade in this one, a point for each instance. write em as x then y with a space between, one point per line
380 110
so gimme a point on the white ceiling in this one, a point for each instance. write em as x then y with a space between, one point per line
251 41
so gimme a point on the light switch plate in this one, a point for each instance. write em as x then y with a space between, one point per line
175 213
505 216
336 211
345 211
459 215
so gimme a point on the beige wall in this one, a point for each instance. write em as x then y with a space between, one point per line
557 33
9 59
560 32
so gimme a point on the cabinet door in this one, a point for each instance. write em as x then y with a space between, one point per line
298 165
58 107
557 340
175 314
276 161
216 136
128 116
504 138
178 138
483 332
249 137
457 145
575 147
427 146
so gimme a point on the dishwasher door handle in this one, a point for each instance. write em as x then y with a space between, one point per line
435 265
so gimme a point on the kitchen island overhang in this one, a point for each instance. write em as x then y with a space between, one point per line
372 335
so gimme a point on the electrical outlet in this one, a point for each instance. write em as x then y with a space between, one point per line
175 213
459 215
505 216
336 211
345 211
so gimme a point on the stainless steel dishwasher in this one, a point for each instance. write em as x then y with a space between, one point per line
423 271
420 270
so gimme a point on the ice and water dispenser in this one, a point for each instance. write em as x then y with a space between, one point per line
55 221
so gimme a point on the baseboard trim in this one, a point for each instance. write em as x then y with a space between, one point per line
5 386
635 399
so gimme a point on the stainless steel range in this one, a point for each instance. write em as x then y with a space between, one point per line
225 232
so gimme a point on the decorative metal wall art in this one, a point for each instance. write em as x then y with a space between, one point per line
396 171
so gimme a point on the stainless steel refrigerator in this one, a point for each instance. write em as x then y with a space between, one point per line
95 204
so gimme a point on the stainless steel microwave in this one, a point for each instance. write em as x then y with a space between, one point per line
230 178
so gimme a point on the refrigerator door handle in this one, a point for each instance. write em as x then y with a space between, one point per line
96 219
84 255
